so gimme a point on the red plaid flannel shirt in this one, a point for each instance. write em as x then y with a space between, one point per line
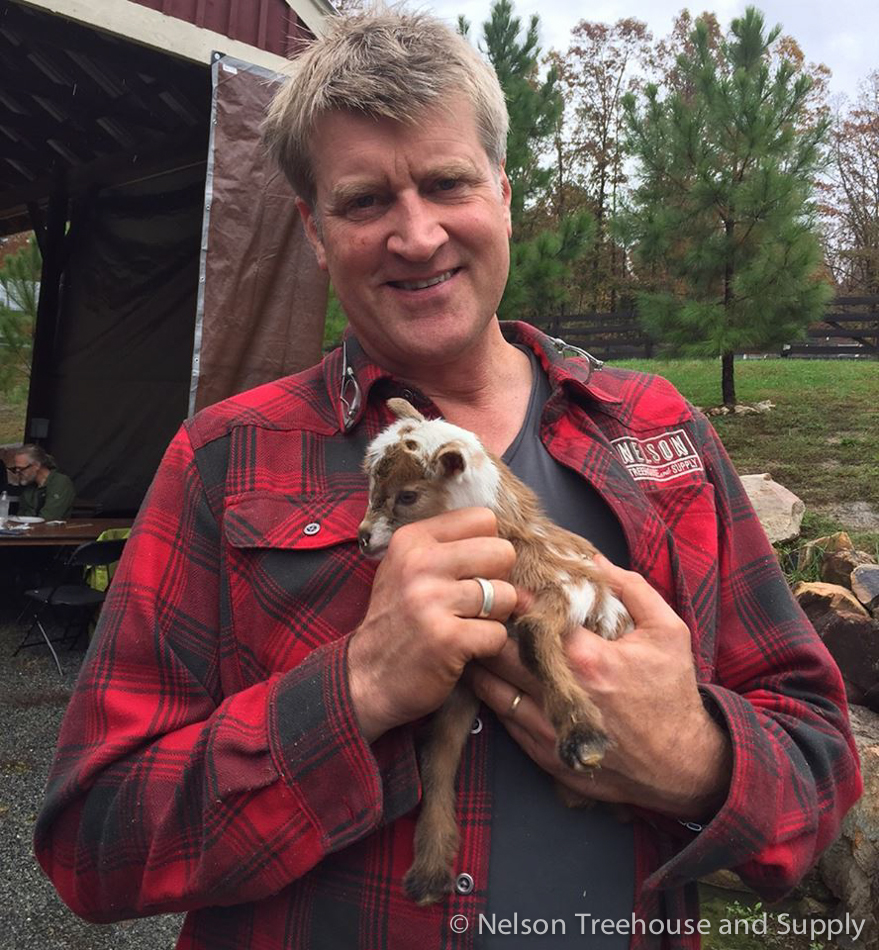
210 760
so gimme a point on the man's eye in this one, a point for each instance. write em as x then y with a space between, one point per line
407 497
362 202
447 184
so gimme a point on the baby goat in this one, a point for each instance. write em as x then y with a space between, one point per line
418 468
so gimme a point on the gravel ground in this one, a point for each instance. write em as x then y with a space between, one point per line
32 916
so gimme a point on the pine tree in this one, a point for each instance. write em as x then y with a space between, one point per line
534 104
537 288
19 295
722 223
541 256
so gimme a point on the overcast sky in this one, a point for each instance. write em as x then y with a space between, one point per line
842 34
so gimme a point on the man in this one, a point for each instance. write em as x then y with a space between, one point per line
241 744
45 492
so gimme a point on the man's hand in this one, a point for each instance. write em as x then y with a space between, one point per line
420 628
668 755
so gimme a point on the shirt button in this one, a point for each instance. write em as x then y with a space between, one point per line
464 884
312 528
476 728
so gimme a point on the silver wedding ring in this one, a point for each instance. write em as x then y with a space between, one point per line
487 596
514 705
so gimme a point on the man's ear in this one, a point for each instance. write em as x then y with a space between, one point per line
312 232
450 461
506 195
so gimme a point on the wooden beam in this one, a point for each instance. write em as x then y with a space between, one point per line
855 301
314 13
175 152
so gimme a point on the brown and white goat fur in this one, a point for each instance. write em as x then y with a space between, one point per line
418 468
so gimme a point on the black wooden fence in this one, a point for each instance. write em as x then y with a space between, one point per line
608 336
849 330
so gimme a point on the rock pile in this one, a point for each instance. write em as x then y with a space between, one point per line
741 409
844 609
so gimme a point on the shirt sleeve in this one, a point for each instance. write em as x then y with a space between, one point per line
779 695
165 793
60 496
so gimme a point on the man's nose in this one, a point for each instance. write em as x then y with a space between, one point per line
417 233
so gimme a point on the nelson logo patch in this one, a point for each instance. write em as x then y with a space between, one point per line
660 458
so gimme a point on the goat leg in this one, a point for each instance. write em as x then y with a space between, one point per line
436 832
578 722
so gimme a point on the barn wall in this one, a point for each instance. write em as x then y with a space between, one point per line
269 25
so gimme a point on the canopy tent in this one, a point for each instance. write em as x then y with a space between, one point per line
175 270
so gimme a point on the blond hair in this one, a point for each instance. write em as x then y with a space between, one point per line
383 65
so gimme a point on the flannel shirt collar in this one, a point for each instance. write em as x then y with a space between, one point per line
350 375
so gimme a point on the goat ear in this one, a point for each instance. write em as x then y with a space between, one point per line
403 409
450 461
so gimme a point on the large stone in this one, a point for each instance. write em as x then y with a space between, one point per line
779 510
839 566
853 641
817 599
819 547
850 867
865 584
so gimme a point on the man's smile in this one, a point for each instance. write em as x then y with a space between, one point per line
425 282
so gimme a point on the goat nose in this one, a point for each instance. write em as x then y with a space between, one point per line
363 536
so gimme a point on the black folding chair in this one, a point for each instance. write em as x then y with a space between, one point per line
72 595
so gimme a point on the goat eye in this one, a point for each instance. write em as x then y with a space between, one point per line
407 497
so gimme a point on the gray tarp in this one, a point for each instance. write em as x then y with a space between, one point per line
261 313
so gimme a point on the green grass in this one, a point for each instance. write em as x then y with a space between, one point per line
821 440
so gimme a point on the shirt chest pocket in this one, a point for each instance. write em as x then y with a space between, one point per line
294 577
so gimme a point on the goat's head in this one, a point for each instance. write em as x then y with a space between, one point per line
421 467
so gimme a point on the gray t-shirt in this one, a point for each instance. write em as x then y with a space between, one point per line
549 862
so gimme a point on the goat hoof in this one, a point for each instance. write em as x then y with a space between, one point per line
427 887
581 750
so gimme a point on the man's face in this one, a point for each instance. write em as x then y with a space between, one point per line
27 469
412 223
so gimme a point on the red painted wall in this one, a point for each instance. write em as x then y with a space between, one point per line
268 24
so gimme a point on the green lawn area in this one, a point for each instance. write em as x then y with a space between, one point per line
821 440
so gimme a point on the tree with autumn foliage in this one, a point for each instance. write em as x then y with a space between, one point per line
721 222
601 64
851 201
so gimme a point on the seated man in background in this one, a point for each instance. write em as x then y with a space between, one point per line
45 492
